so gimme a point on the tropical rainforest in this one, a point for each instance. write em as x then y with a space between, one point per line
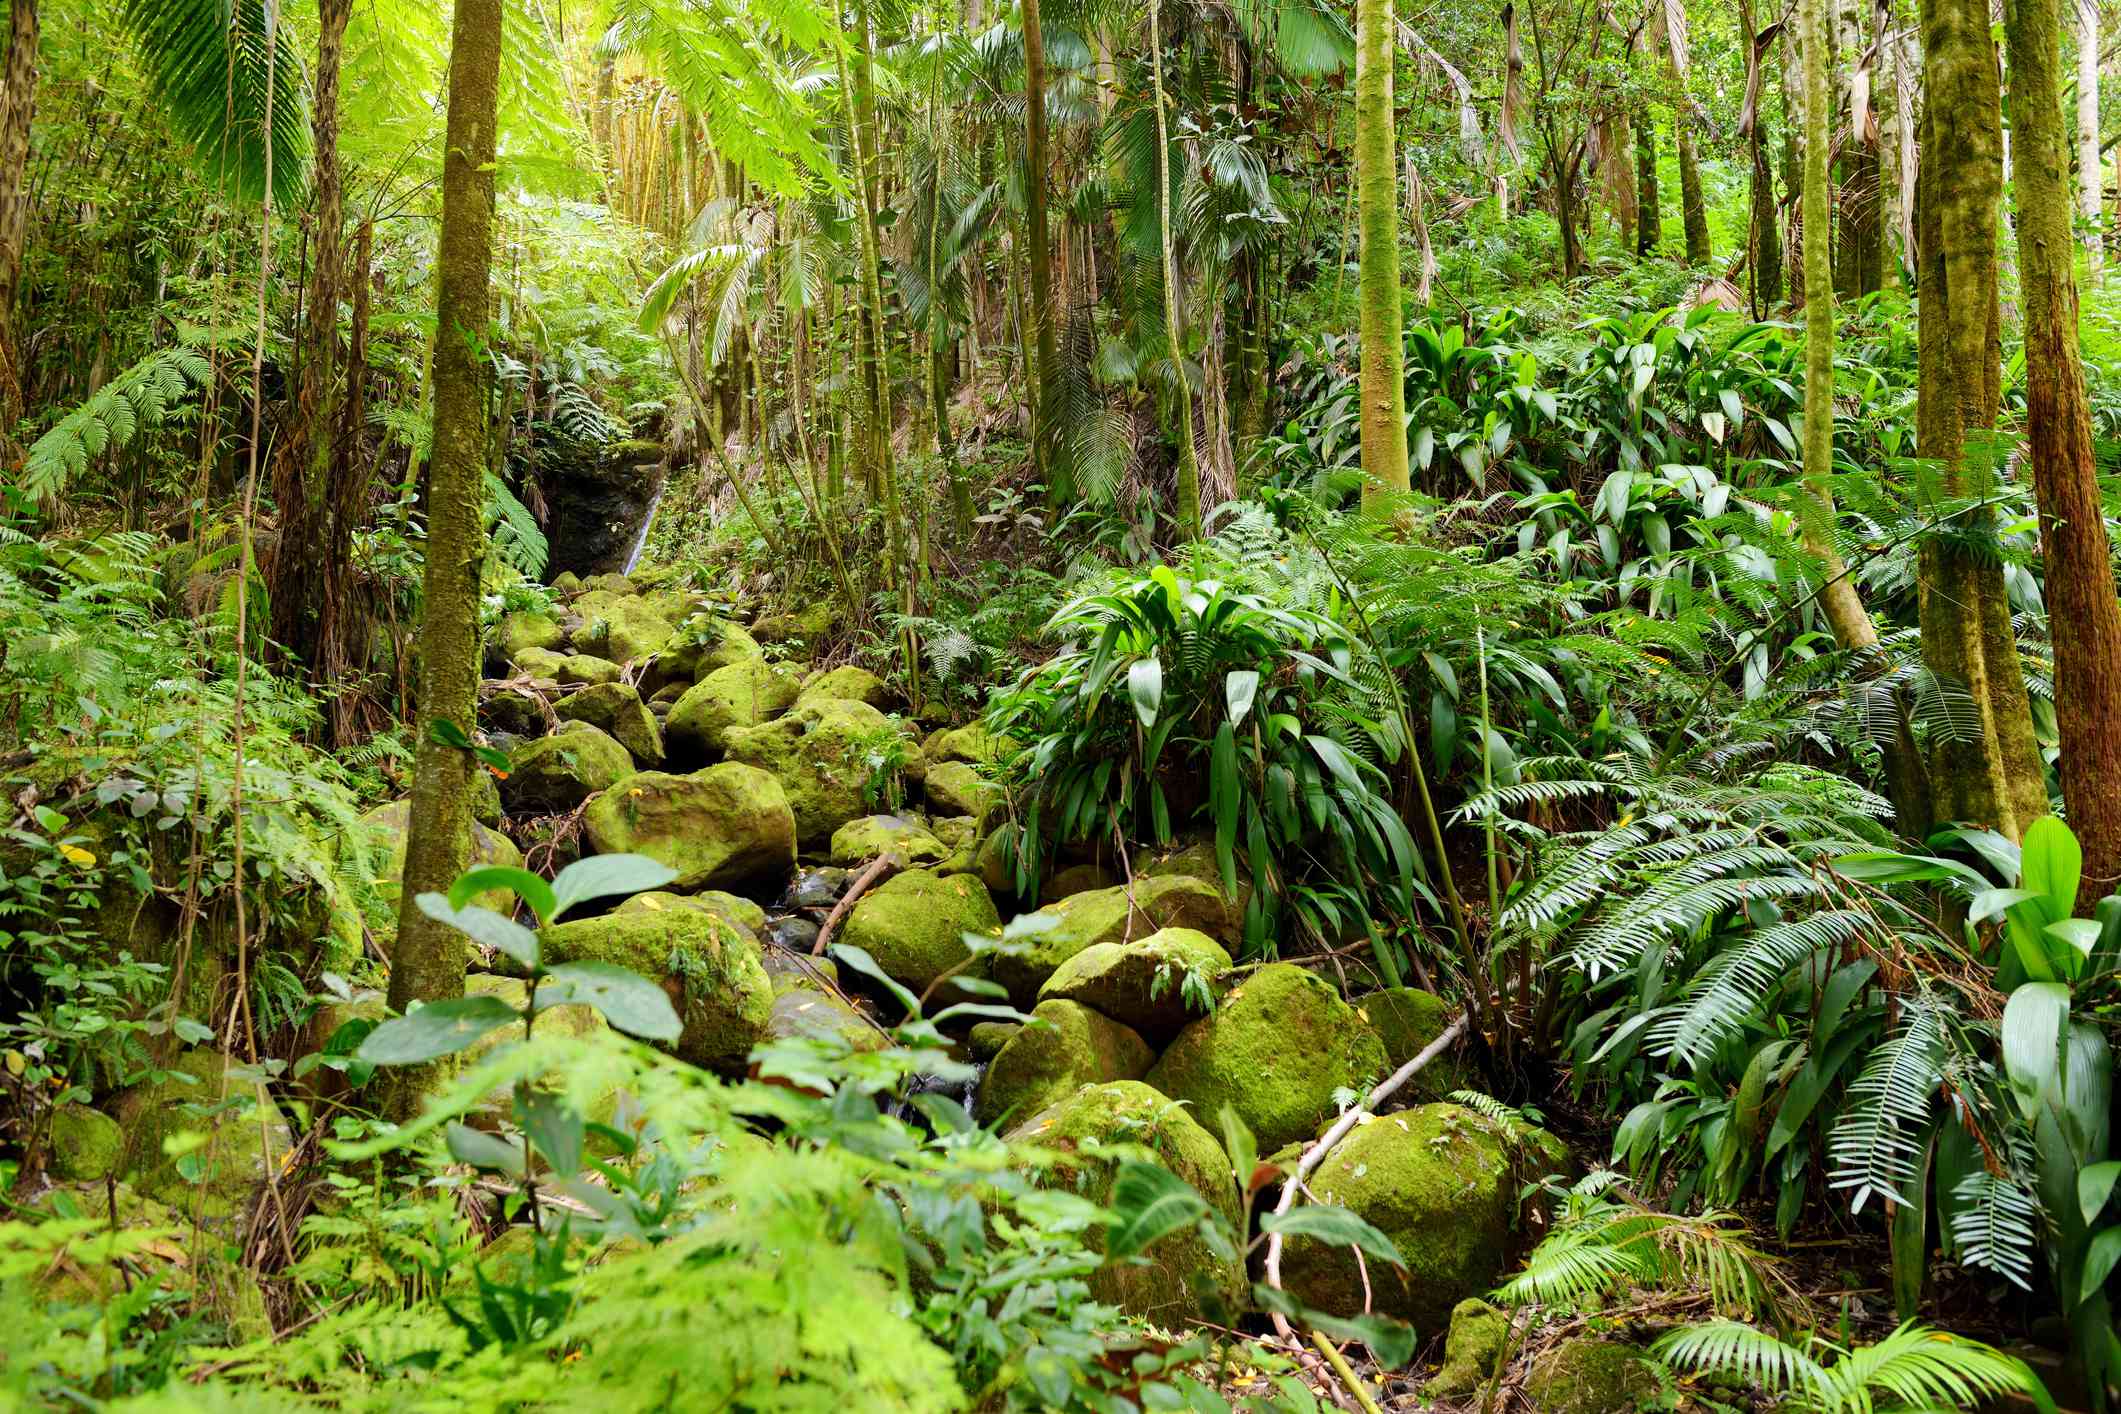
1078 705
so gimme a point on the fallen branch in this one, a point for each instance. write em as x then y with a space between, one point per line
885 866
1316 1154
1347 1376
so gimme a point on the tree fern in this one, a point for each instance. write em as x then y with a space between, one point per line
140 397
208 61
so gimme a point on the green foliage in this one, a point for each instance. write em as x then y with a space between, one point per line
1915 1368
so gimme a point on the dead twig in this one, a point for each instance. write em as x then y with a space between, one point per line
883 868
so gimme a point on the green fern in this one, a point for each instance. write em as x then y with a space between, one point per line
1917 1367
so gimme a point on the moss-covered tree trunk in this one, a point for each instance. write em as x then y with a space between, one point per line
1384 392
18 103
2083 613
1992 776
1693 209
1188 510
1649 217
302 472
428 961
1044 332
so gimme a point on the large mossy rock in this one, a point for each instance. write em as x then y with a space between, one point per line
873 836
1472 1351
808 1013
1113 916
820 753
708 643
847 684
730 908
1163 1289
914 924
722 827
559 772
710 967
741 694
1275 1049
955 788
1144 985
1407 1019
1586 1375
616 709
1061 1049
522 630
973 745
620 627
389 827
246 1136
1440 1181
86 1145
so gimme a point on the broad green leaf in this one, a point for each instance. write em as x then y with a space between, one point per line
629 1001
1242 1148
483 1150
553 1126
1334 1226
603 875
438 1029
1145 685
1239 690
2033 1022
860 960
2095 1184
2100 1257
483 926
520 882
1391 1341
2051 861
1149 1202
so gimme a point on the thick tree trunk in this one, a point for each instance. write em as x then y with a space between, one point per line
17 104
1992 777
428 961
2088 170
1384 393
1649 217
1188 509
2083 612
1693 210
302 490
1621 188
1049 455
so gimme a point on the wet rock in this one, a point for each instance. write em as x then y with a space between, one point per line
817 888
597 505
1061 1049
561 771
723 827
914 924
859 841
801 1012
954 788
821 751
986 1039
794 933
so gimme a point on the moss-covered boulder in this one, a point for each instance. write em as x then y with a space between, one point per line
722 827
731 908
1586 1375
810 1014
560 771
1076 879
821 753
1406 1020
485 798
807 624
712 642
955 788
244 1135
610 582
519 631
914 924
620 627
1115 915
388 827
972 744
741 694
566 584
710 968
199 1273
616 709
1440 1181
1472 1351
986 1038
1275 1049
956 832
872 836
1165 1288
586 670
847 684
85 1145
497 1105
1196 860
1061 1049
1156 986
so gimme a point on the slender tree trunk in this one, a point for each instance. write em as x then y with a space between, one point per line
1622 188
1188 508
1693 210
17 104
302 489
2083 612
428 961
1649 226
1994 777
1384 393
2088 169
1047 451
938 343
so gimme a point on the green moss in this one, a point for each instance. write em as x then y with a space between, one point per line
1407 1019
1585 1375
1061 1049
620 627
972 744
86 1144
560 771
1111 916
820 753
246 1137
729 907
1163 1288
847 684
1438 1181
955 788
914 923
859 841
388 827
519 631
1141 984
1472 1351
1275 1049
741 694
986 1039
807 625
616 709
808 1012
586 670
537 662
727 825
710 967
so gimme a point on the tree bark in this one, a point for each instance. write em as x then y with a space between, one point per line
1384 392
1649 218
1693 211
428 961
1046 450
1992 777
17 104
2083 613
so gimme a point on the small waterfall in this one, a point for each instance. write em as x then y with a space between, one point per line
633 556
